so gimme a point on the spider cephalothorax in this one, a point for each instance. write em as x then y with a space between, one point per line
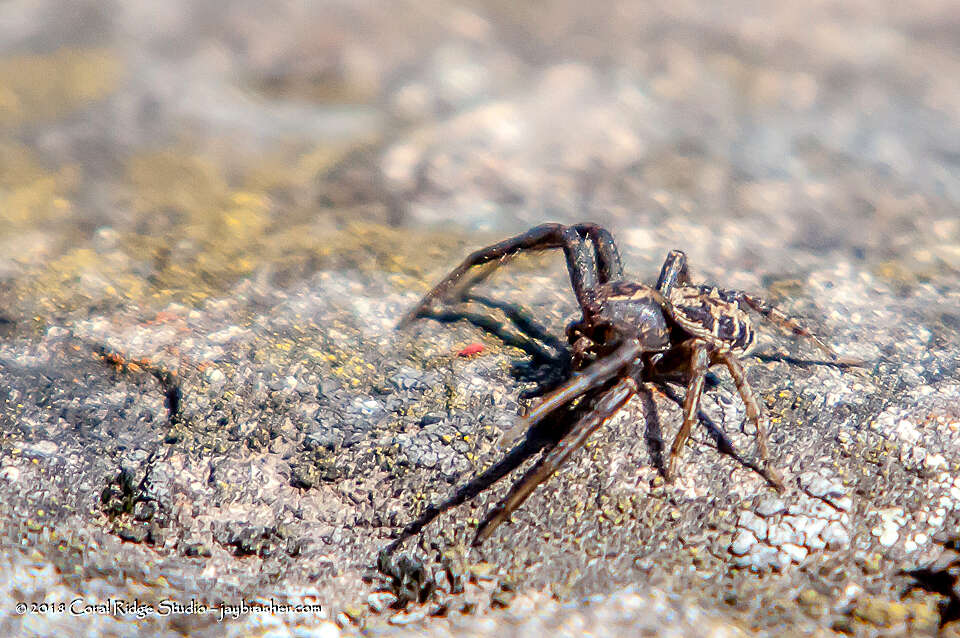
629 335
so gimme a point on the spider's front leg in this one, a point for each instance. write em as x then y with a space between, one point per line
587 267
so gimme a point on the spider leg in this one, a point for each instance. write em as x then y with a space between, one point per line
755 415
593 376
608 405
587 268
673 273
580 262
787 323
699 363
609 266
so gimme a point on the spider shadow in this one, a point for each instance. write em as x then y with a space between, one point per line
542 437
549 362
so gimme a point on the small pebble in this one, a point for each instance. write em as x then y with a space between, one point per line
764 557
821 488
845 503
889 536
405 618
742 543
796 552
752 522
806 526
835 536
814 543
378 601
781 533
771 506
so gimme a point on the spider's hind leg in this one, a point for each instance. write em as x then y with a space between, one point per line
756 417
787 323
609 266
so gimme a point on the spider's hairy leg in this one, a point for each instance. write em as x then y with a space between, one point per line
787 323
673 273
699 363
608 405
755 415
609 266
595 375
581 263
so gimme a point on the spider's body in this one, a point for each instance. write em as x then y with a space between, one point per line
629 334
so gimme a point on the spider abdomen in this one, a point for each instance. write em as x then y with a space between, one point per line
712 314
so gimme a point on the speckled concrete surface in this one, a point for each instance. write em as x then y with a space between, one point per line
212 215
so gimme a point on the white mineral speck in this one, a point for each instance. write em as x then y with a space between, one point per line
889 536
796 552
326 629
934 462
778 534
771 506
835 536
752 522
743 542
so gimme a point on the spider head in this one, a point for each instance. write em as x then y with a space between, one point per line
712 314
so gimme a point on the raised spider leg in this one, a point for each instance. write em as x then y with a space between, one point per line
673 273
587 267
786 323
608 405
755 415
593 376
699 363
609 266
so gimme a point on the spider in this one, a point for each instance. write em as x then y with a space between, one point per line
629 334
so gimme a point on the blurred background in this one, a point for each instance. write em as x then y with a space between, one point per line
158 150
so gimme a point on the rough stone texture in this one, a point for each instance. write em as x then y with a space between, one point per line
250 195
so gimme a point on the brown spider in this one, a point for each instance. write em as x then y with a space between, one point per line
630 334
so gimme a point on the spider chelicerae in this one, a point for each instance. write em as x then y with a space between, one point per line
629 335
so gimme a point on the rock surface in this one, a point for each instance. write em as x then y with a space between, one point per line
212 215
